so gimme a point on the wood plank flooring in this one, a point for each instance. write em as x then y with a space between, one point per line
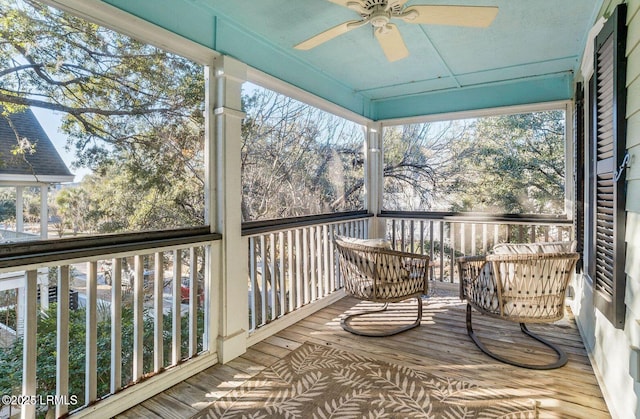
440 345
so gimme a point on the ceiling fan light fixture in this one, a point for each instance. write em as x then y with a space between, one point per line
383 29
379 18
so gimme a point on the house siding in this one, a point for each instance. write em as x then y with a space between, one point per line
616 352
632 238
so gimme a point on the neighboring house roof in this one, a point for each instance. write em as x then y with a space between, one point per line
44 165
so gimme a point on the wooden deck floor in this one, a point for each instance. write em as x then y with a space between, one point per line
440 345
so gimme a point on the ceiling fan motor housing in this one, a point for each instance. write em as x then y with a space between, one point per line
389 7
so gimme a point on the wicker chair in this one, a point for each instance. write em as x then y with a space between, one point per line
522 288
382 275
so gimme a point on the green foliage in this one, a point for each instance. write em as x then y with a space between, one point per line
517 165
502 164
73 205
132 112
31 204
7 209
11 358
134 115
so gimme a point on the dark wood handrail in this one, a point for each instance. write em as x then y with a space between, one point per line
46 251
478 217
266 226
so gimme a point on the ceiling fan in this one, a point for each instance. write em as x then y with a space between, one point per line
379 14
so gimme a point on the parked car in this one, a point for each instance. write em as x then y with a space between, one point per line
185 290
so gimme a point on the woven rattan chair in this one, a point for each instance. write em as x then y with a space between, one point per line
382 275
522 288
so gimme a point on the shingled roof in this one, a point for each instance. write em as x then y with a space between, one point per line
44 165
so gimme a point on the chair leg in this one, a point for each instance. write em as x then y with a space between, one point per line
345 322
561 355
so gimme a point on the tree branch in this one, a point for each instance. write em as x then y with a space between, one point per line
18 100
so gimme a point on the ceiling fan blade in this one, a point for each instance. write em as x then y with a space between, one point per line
329 34
472 16
391 42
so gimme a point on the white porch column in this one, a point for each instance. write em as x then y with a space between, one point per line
373 180
232 287
44 211
19 209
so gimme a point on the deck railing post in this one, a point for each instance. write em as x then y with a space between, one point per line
62 340
29 343
158 285
116 325
91 340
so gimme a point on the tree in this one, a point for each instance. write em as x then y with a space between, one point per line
517 165
129 108
73 205
298 160
501 164
419 165
7 205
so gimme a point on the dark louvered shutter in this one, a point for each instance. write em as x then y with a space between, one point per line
578 164
609 150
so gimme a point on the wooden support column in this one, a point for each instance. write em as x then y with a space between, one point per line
44 211
212 253
233 319
374 183
19 209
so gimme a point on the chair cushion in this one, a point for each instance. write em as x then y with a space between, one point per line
382 243
541 247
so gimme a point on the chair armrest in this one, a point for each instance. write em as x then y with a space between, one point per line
469 268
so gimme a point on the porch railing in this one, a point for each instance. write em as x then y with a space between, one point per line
292 262
445 236
90 317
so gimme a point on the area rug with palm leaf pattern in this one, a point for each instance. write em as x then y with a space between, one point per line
322 382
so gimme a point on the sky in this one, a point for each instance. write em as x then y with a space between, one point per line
51 122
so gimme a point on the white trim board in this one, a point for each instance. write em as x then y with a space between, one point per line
140 29
277 85
477 113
